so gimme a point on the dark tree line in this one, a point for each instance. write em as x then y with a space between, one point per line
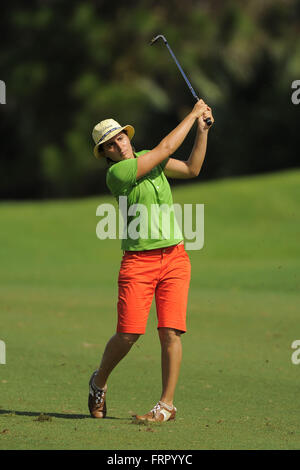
68 65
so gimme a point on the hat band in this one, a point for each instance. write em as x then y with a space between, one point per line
108 132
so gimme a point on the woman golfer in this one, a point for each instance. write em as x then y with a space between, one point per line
151 264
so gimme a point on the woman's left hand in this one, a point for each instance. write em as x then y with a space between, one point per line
201 120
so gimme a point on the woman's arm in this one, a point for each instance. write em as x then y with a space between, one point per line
170 143
191 167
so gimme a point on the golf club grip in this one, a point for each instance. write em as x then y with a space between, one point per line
207 120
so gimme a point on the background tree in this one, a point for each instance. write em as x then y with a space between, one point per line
67 65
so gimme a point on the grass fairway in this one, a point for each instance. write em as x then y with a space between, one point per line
238 387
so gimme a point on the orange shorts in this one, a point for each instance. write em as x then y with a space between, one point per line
165 272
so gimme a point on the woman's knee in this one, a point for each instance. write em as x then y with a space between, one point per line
168 335
128 338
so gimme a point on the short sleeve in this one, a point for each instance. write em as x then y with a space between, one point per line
122 176
164 162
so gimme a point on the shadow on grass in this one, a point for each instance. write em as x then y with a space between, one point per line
54 415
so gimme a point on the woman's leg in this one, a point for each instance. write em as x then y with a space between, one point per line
117 348
171 355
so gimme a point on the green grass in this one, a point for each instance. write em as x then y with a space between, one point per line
58 288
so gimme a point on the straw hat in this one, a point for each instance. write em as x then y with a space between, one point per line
107 129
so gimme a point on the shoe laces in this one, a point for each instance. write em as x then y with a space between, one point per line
99 396
159 406
156 408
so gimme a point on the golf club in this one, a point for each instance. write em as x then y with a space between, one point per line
208 121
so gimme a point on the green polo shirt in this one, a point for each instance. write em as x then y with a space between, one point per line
146 204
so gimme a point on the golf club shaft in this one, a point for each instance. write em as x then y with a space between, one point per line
208 121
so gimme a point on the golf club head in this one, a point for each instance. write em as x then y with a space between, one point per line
153 40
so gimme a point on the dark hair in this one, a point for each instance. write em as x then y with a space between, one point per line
109 161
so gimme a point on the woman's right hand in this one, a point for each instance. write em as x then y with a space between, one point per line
199 109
